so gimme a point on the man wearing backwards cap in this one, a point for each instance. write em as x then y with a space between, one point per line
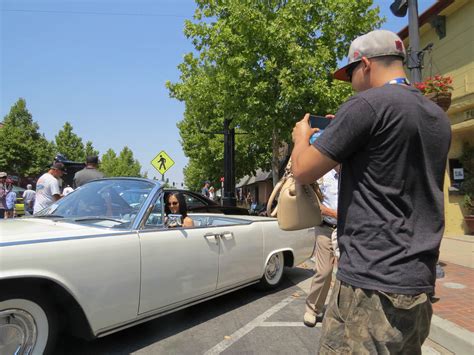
47 187
392 143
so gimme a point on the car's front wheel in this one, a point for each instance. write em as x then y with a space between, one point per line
273 273
27 325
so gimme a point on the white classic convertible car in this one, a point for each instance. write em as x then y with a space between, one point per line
101 259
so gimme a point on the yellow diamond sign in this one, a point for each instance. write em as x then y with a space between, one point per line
162 162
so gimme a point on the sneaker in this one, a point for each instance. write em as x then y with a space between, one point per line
309 319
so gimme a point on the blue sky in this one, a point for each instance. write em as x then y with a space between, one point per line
102 65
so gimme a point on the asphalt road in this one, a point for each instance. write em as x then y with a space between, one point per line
247 321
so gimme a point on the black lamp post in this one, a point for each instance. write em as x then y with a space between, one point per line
228 198
228 195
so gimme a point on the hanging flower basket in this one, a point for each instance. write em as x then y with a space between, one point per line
438 89
442 99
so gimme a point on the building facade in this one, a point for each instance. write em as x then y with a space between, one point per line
448 25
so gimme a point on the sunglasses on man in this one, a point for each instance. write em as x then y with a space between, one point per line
350 70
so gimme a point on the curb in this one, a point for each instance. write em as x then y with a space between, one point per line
451 336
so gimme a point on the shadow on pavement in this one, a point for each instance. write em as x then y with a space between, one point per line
140 336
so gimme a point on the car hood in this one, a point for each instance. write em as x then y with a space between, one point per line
31 229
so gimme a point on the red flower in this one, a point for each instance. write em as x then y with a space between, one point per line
438 83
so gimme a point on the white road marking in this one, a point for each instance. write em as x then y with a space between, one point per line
248 327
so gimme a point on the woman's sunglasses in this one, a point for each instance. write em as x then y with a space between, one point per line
173 203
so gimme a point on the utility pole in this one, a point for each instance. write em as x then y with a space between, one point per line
414 55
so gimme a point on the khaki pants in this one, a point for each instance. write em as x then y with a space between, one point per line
359 321
323 270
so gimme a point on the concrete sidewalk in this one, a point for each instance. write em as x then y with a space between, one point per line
452 325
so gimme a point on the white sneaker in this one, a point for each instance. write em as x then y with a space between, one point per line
309 319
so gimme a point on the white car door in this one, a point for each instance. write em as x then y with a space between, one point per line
241 250
177 264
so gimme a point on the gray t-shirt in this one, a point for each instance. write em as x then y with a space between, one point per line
86 175
393 145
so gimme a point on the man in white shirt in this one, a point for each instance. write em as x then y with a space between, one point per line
29 199
324 258
47 187
67 190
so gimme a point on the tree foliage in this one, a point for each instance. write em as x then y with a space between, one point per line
89 150
262 64
25 151
122 165
70 144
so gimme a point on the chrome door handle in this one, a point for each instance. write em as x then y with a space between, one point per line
227 235
211 237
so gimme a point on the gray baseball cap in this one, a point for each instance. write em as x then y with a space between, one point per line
3 174
377 43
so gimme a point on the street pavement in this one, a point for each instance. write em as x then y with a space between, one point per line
452 324
247 321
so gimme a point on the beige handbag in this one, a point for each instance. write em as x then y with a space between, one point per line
298 205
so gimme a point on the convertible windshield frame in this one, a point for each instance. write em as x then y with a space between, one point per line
151 199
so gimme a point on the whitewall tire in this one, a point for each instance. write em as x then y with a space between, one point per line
27 326
273 273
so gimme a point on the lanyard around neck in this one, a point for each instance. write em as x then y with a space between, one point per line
399 81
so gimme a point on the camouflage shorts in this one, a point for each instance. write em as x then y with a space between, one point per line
359 321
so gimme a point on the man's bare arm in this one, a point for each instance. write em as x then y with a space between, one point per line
308 163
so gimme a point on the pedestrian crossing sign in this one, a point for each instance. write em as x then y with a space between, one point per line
162 162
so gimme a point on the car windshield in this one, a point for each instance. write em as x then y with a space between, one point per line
109 203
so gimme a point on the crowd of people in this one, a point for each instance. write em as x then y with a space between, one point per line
48 188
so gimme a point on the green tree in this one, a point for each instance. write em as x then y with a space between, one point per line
263 64
122 165
70 144
89 150
25 151
108 161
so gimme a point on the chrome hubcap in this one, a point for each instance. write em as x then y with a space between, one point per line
17 332
273 267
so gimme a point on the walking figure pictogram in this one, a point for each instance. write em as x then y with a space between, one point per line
162 162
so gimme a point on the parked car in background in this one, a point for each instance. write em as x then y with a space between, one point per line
199 203
104 260
19 206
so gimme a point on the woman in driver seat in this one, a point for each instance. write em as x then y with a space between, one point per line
176 205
